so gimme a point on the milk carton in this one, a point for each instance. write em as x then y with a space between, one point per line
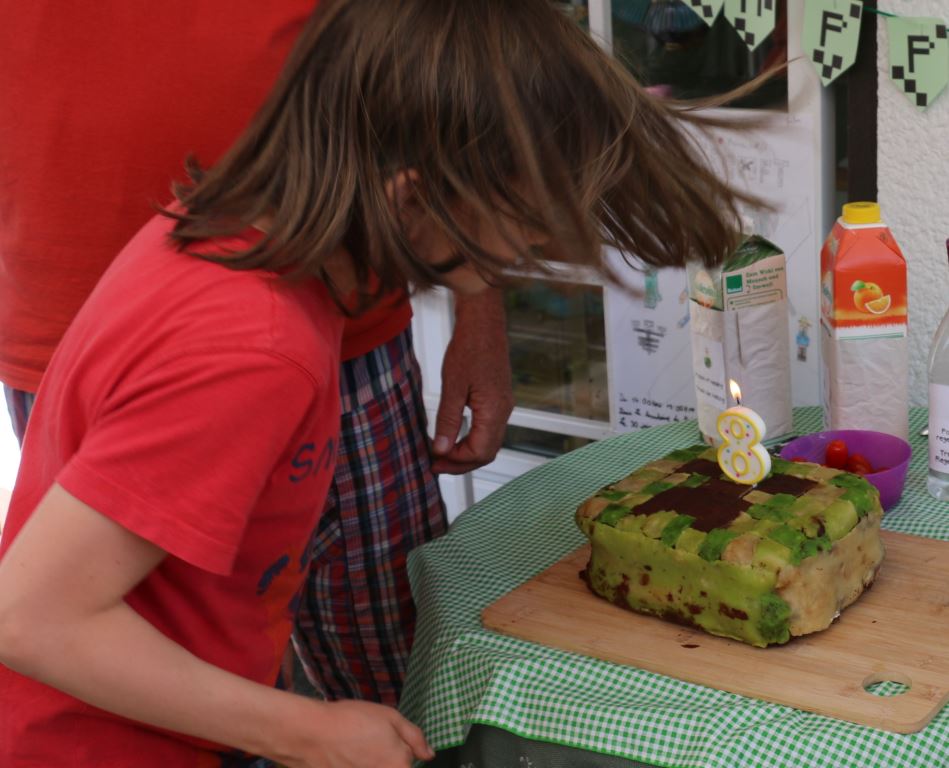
739 323
864 351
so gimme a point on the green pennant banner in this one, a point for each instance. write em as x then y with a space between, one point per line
919 57
831 35
706 9
753 19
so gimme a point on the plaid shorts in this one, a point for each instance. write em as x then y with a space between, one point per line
357 619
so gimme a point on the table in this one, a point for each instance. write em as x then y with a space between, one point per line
475 691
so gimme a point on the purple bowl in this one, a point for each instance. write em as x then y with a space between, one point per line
879 448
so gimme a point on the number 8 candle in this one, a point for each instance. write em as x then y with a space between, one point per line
741 456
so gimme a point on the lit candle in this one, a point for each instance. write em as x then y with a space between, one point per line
741 456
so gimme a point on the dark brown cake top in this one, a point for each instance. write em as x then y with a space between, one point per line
710 507
701 467
683 498
779 483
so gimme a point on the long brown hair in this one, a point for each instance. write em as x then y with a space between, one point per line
473 95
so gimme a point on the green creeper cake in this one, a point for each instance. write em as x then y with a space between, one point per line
760 564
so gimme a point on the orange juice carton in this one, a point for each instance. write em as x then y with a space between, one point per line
738 319
864 350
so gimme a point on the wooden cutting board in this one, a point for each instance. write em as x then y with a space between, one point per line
898 631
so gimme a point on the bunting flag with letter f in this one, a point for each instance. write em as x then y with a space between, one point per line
753 19
919 57
707 10
832 35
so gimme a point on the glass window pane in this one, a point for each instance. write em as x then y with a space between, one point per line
558 348
541 443
671 49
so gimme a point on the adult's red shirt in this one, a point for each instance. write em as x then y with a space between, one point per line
198 407
99 105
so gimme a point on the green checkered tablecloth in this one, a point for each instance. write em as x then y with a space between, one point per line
461 674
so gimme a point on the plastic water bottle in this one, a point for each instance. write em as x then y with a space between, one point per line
938 481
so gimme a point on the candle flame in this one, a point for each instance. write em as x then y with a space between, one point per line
735 390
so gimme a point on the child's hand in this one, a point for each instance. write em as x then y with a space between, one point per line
358 734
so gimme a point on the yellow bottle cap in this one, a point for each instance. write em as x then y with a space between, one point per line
861 213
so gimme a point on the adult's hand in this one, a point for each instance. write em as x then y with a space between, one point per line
476 373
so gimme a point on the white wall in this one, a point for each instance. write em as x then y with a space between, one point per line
913 173
9 461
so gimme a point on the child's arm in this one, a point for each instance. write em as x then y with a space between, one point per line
63 621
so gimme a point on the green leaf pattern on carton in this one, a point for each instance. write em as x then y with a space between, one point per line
751 250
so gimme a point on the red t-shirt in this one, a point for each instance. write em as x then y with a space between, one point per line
198 407
101 102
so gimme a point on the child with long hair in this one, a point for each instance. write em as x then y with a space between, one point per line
182 440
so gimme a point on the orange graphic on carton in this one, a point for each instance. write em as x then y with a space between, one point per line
863 279
868 297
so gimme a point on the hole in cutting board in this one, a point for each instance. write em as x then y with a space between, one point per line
887 685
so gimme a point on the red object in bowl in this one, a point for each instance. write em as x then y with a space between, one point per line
859 465
877 448
836 455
